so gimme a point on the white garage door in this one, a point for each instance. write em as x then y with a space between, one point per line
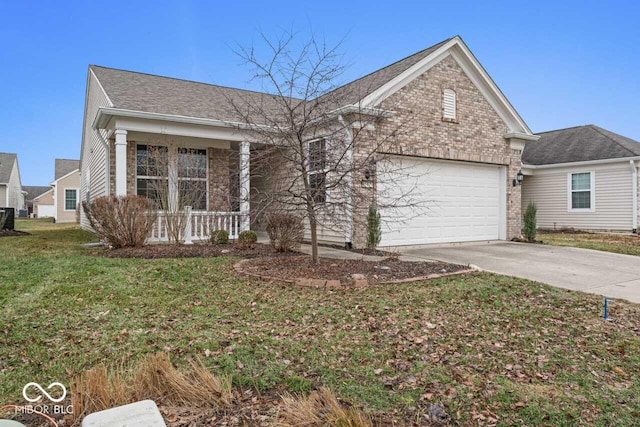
428 201
46 211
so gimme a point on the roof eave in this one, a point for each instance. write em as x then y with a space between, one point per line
582 163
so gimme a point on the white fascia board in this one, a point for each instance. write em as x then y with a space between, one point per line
43 194
584 163
65 176
104 115
524 136
400 81
472 68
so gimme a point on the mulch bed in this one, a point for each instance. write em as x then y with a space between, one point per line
8 233
346 272
191 251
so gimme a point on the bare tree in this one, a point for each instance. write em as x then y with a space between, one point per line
317 150
174 177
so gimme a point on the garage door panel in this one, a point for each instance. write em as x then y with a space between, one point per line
457 202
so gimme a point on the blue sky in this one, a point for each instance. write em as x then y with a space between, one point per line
560 63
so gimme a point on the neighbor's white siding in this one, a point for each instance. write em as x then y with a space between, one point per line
12 196
94 157
547 188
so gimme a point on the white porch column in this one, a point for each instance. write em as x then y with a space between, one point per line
245 186
121 162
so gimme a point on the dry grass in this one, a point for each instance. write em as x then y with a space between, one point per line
155 378
319 409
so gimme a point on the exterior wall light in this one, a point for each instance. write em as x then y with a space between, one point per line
518 179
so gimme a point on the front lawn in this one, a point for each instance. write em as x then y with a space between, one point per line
492 349
608 242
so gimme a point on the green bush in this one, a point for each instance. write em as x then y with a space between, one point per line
529 228
374 227
247 237
220 237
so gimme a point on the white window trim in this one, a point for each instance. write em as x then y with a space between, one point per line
135 186
592 191
64 202
326 168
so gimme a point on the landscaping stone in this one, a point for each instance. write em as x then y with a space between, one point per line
139 414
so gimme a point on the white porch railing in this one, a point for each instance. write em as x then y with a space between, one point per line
199 225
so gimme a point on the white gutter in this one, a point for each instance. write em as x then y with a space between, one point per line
520 135
634 176
348 229
585 163
100 121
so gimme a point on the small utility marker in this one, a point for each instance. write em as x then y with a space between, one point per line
140 414
605 315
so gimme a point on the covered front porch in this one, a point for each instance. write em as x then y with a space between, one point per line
197 171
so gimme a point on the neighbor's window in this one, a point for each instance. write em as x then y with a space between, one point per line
449 104
70 199
581 191
317 170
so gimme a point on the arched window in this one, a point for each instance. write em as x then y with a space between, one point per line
449 104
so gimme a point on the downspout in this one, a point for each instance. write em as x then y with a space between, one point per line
634 175
348 229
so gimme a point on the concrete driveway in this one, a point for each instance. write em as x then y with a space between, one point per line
596 272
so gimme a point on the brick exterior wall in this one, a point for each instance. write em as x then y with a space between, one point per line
477 134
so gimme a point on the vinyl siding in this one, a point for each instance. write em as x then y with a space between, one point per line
93 181
70 182
547 188
3 196
14 190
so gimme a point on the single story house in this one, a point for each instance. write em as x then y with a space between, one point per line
11 193
33 195
583 177
466 137
64 194
43 206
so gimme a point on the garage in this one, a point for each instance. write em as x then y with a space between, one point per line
425 201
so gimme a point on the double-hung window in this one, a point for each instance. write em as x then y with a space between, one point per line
152 173
581 191
318 170
70 199
192 178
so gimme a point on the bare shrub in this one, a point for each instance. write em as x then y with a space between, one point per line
285 230
3 218
121 221
154 377
321 408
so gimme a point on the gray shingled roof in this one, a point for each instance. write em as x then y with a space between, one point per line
156 94
64 166
578 144
34 191
6 166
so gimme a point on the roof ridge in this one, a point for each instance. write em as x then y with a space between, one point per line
599 130
183 80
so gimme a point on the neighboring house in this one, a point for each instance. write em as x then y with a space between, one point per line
583 177
11 193
469 140
43 206
66 190
35 195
